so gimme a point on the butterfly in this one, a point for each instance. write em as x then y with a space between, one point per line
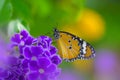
72 47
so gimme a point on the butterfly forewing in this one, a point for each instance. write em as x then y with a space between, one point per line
68 47
71 47
89 52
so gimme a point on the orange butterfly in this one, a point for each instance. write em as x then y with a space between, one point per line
71 47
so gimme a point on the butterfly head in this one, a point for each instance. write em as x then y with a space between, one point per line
56 34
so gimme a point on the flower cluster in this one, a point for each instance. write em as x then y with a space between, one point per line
32 59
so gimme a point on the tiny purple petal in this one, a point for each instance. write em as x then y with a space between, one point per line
34 65
36 50
22 77
43 37
21 49
16 38
42 41
34 76
35 41
21 57
44 62
53 50
43 44
49 41
46 39
24 34
46 53
29 40
56 59
51 68
27 52
25 63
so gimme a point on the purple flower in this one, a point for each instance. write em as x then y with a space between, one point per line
3 73
56 59
24 34
53 50
12 69
21 40
105 62
36 58
70 75
37 51
42 69
3 52
33 51
27 52
44 41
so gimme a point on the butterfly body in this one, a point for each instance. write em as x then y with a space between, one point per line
71 47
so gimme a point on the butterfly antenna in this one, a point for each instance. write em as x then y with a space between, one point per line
56 26
50 34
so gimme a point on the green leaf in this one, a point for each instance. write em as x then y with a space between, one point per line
5 13
16 26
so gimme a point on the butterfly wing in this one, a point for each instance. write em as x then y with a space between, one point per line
87 51
71 47
66 49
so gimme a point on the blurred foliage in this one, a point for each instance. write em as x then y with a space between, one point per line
5 11
98 24
88 23
41 15
110 11
16 26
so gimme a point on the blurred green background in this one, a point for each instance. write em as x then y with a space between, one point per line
96 21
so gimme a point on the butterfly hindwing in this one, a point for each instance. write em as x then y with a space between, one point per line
71 47
87 51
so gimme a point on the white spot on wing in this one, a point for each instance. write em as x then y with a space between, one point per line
80 39
84 47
